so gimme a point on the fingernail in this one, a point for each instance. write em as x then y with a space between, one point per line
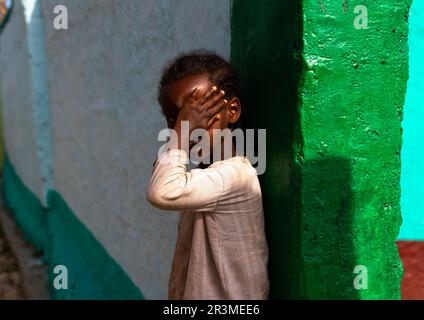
214 88
222 92
226 101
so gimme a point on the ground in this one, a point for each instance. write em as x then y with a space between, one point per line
10 276
23 274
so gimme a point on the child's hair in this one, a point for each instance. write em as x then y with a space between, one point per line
204 62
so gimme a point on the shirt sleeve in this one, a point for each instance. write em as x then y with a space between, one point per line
172 187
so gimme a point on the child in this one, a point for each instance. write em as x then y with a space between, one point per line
221 250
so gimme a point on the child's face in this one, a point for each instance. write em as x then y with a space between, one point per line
177 92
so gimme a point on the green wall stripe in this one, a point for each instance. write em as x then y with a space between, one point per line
65 240
93 274
25 207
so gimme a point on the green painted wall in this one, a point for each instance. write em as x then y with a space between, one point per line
266 44
64 240
331 190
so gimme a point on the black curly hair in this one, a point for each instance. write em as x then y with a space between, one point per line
202 62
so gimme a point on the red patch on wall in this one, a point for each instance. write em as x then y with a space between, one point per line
412 256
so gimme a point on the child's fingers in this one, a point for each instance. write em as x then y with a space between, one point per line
191 97
208 94
214 119
213 100
217 108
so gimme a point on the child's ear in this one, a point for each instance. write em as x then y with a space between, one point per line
234 110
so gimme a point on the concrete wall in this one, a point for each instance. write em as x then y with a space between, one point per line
17 88
102 76
105 117
413 130
332 187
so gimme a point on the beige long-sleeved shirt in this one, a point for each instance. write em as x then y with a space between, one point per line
221 250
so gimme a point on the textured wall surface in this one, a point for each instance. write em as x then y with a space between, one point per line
103 74
332 188
352 140
19 127
412 151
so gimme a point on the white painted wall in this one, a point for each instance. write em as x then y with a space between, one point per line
102 78
16 91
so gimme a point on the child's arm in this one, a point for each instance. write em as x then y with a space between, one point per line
172 187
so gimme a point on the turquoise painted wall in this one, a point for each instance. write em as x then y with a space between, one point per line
412 180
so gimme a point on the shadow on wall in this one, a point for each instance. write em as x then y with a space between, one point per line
270 68
298 211
325 230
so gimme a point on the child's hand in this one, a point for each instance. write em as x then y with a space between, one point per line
201 112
